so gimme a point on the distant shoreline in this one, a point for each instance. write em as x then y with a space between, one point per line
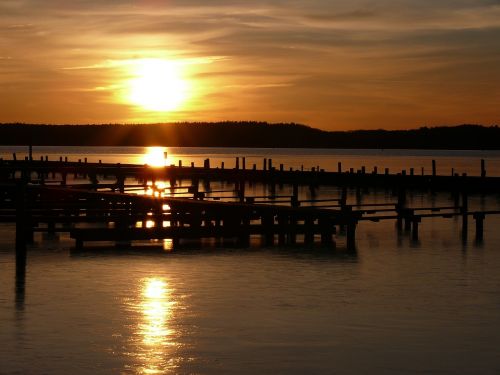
250 134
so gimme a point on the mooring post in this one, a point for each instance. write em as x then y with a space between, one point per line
237 163
282 224
339 167
270 164
351 235
479 217
30 152
21 232
386 172
415 221
433 168
400 208
244 163
309 231
375 170
408 217
343 197
241 191
264 164
295 195
483 168
327 229
292 227
267 221
465 216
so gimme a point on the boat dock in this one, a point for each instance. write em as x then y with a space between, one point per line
99 202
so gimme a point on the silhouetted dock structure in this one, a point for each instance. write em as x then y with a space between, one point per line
78 197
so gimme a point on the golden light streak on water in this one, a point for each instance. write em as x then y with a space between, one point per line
155 343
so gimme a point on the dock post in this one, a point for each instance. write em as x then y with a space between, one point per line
21 224
408 216
375 170
343 197
30 152
386 171
351 235
415 221
309 231
222 165
483 168
327 229
433 168
237 163
270 164
268 231
292 227
339 167
241 191
264 165
282 224
479 217
244 163
295 195
465 216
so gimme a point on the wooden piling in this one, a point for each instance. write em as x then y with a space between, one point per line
433 168
415 221
483 168
479 218
351 235
464 211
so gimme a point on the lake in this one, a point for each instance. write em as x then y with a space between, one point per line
394 306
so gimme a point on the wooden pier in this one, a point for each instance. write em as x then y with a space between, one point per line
78 197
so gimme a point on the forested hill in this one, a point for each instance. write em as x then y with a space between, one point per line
248 134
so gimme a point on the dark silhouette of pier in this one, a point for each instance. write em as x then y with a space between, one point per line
74 197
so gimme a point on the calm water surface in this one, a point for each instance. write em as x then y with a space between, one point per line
395 306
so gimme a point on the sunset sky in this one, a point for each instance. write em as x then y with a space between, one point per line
331 64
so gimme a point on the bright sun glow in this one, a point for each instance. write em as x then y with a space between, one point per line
157 85
155 156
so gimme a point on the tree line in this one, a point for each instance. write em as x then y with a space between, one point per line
248 134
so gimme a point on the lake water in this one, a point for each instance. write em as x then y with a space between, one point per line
395 306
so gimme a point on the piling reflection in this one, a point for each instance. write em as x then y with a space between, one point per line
20 281
154 338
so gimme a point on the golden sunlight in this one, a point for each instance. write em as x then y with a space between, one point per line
156 308
158 85
155 156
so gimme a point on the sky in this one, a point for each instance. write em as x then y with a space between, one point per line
330 64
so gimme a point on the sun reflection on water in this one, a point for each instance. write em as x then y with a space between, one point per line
155 342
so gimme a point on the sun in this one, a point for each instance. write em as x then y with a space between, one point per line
155 156
158 85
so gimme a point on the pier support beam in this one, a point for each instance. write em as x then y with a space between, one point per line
479 217
351 235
